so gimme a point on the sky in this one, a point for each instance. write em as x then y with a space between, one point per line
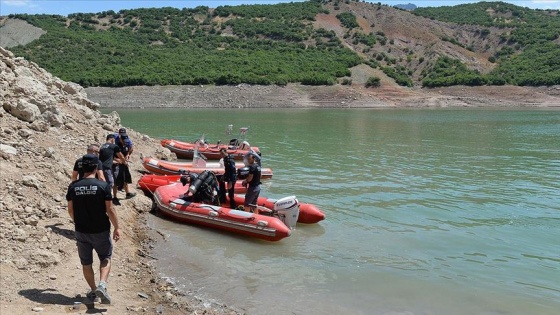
66 7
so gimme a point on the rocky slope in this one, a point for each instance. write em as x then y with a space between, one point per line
45 124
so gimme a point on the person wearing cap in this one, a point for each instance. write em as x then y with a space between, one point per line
110 154
123 176
253 183
91 209
78 171
123 140
227 181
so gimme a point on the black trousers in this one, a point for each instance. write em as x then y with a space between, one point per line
230 193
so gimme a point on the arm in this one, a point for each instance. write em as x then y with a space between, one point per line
130 151
121 157
113 218
248 180
100 175
75 172
71 209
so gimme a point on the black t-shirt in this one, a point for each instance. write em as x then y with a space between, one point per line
106 153
255 169
78 168
88 197
230 172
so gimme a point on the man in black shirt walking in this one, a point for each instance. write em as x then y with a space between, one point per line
91 209
109 154
78 172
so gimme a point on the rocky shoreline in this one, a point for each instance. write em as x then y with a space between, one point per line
298 96
45 125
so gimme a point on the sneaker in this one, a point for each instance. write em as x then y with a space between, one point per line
101 292
130 195
116 202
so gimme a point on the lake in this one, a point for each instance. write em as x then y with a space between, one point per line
428 211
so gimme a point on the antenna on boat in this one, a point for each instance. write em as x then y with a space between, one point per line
243 132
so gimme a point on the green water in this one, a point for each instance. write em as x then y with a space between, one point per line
428 212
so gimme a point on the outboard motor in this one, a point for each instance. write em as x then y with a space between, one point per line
243 173
287 209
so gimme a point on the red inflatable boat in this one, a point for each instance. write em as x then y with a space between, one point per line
149 182
171 202
197 166
308 213
186 150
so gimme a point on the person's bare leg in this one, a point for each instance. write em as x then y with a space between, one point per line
101 291
104 269
89 276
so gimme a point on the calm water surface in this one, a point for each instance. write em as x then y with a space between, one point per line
428 212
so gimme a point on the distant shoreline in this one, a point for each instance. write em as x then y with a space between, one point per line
299 96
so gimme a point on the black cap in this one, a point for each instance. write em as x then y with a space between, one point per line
90 160
110 136
122 130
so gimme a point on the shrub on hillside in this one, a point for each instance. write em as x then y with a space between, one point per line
373 82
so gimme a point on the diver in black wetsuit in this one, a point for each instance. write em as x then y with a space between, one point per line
203 187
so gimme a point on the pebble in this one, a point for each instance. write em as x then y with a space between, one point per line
53 277
37 309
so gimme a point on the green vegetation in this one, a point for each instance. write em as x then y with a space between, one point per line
448 71
520 69
399 74
373 82
530 57
173 46
278 44
347 19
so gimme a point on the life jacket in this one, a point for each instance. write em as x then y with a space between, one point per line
229 164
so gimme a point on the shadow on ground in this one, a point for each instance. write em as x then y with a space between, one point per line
52 297
69 234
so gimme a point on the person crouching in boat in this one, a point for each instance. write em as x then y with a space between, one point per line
203 187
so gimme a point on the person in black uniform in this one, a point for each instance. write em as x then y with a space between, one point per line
110 155
227 183
91 209
78 172
203 187
254 183
122 173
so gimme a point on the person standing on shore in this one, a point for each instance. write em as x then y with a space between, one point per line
254 183
123 176
78 172
228 179
91 209
110 154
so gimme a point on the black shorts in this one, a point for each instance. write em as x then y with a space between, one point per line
108 173
252 195
100 242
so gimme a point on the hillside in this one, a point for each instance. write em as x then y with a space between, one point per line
313 43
